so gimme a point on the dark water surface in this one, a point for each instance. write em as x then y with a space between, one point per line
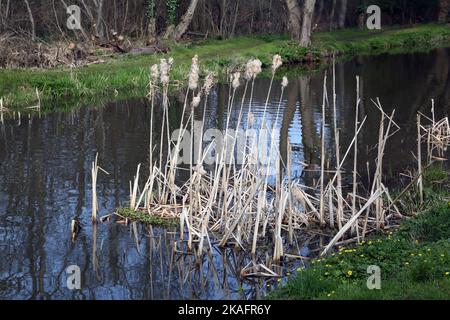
45 180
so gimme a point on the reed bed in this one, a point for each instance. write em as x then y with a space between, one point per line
435 134
254 201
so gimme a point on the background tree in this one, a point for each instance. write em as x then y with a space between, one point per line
181 28
308 10
45 20
444 6
294 13
342 14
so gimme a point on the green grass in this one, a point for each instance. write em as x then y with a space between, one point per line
414 261
144 217
127 77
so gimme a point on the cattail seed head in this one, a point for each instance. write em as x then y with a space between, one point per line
164 68
236 83
154 74
196 100
209 83
276 62
253 68
248 70
193 75
285 82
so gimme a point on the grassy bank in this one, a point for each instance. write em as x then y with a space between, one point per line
127 77
414 260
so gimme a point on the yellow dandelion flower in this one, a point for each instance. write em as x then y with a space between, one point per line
407 263
447 274
349 273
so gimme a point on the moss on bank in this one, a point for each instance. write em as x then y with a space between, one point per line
414 260
127 77
144 217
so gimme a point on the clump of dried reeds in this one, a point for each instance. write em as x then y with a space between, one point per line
436 135
235 202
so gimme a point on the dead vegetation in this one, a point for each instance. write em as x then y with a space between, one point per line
20 52
254 202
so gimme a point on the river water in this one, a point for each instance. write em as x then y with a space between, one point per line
45 180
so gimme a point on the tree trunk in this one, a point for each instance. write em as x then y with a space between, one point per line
181 28
151 30
342 14
308 10
100 27
332 14
33 26
318 17
444 5
294 18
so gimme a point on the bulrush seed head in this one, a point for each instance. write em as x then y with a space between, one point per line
196 100
248 71
164 68
154 74
276 62
236 82
193 75
209 83
253 68
285 82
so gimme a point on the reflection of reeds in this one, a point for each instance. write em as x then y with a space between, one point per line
236 202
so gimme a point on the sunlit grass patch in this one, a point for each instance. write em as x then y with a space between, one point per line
414 263
144 217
